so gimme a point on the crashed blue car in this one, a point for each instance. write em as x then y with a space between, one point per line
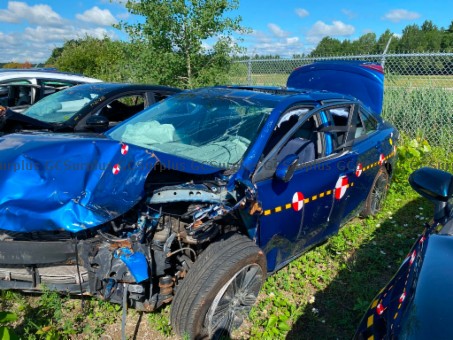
198 198
416 303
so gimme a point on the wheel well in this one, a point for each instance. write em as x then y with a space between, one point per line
389 169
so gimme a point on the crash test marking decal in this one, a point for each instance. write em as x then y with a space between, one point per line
116 169
124 149
298 201
341 187
359 170
372 165
336 192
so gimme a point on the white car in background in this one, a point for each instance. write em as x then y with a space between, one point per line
20 88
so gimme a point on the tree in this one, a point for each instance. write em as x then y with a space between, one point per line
13 65
328 46
383 40
99 58
173 32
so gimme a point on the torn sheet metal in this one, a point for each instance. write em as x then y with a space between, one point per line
135 262
188 193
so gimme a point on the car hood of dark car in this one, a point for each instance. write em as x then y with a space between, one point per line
73 182
416 303
429 312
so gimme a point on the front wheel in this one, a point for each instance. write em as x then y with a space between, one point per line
378 192
219 290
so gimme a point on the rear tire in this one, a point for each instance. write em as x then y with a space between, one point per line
377 195
219 290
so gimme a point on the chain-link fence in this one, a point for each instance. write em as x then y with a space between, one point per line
418 97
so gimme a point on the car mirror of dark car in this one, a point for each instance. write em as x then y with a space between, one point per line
286 168
97 122
435 185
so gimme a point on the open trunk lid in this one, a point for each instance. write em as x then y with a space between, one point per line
360 79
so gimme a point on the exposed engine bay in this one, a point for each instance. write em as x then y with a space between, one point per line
146 251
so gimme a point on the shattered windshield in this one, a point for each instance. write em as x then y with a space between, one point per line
205 127
62 106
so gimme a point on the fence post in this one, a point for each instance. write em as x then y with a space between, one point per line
249 71
385 52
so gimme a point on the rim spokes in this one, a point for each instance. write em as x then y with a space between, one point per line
234 301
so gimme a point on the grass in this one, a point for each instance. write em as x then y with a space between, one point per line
323 294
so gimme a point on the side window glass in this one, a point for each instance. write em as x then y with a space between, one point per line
11 93
52 86
284 125
341 119
123 107
368 121
305 142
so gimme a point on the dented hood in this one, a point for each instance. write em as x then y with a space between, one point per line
68 182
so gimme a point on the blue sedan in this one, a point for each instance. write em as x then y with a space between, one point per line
198 198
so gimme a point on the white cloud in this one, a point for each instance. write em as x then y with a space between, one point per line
47 30
7 39
264 43
350 14
398 15
97 16
302 12
123 16
36 44
42 34
292 40
277 31
18 12
320 30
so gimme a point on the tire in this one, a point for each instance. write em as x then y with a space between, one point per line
229 273
378 192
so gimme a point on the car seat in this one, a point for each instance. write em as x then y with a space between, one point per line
303 148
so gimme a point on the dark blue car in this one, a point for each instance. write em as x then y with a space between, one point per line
196 199
415 304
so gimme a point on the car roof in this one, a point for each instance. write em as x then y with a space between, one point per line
6 74
127 86
276 94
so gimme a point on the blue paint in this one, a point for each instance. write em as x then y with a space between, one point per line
362 80
135 262
66 182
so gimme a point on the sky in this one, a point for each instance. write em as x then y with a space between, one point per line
31 29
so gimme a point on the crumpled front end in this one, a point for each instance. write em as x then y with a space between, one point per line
133 226
60 183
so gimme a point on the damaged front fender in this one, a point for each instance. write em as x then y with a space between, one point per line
69 183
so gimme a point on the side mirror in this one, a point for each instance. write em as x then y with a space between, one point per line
286 167
433 184
97 122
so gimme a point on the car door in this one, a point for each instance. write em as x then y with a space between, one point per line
18 93
112 111
304 210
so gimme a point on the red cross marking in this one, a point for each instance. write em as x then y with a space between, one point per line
116 169
298 201
359 170
341 187
124 149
